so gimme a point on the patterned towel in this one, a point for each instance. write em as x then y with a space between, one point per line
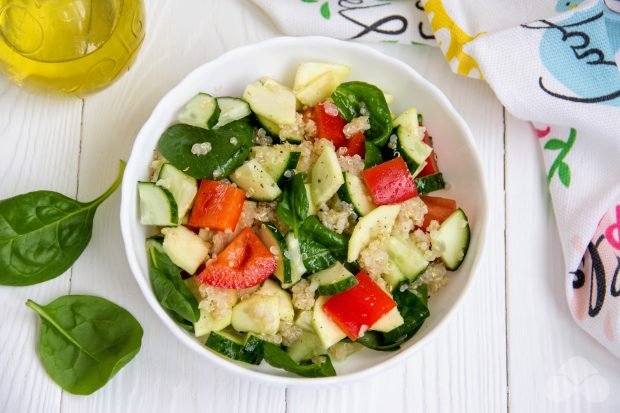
552 62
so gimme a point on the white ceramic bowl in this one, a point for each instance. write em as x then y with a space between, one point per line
278 58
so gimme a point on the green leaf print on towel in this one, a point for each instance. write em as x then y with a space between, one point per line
559 165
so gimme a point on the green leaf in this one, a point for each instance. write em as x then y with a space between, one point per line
564 174
284 211
85 340
320 247
298 199
279 358
325 11
373 155
353 98
42 233
554 144
169 287
177 141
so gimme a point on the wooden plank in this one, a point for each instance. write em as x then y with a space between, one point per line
464 367
546 347
39 147
166 375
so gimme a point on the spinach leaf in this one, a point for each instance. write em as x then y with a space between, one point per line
372 156
355 98
320 247
413 308
169 287
177 141
294 204
42 233
279 358
85 340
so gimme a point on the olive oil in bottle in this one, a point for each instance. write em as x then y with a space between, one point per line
69 46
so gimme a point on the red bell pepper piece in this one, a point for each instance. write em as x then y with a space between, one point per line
438 209
217 206
329 127
390 182
358 308
244 263
355 145
431 166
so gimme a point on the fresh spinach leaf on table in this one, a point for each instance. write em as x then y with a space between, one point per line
169 287
279 358
85 340
412 306
42 233
225 155
359 98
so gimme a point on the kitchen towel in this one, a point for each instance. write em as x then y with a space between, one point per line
552 62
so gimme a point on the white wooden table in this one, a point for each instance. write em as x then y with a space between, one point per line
512 339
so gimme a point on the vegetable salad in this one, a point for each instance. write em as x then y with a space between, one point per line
294 225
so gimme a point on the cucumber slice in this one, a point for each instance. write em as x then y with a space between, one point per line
304 320
379 220
394 275
271 127
406 255
231 109
248 349
316 81
354 191
186 249
272 101
334 280
430 183
294 254
409 143
182 187
306 346
454 235
274 241
202 111
207 324
157 205
311 205
326 176
256 181
276 160
329 333
285 303
389 321
257 314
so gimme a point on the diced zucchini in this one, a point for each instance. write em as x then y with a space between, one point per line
270 127
256 181
186 249
407 257
157 205
272 101
257 314
379 220
276 160
393 275
329 333
430 183
354 191
285 307
454 235
202 111
410 145
294 254
182 187
231 109
316 81
306 346
248 348
334 280
207 323
274 241
304 320
388 322
326 176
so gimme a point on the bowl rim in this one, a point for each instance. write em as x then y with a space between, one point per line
128 208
